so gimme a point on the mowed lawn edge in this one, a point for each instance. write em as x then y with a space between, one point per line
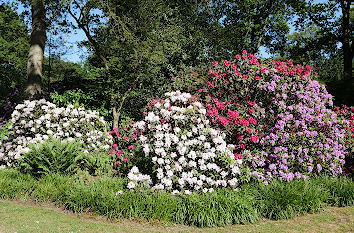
26 216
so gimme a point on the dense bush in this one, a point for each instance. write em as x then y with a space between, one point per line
52 156
35 121
277 116
347 114
185 153
63 157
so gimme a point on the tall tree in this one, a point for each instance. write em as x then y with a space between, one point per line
14 43
36 51
248 24
333 19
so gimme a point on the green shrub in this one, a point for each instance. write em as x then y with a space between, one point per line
63 157
52 156
4 129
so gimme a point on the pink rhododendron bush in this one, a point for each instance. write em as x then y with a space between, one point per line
36 121
175 148
278 117
347 114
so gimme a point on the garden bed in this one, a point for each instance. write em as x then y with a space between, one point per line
253 202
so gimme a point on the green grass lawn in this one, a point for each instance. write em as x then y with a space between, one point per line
17 216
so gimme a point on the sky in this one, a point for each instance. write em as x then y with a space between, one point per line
73 52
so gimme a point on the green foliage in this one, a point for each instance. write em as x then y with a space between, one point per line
4 130
95 163
278 200
73 97
14 44
62 157
81 98
249 25
284 200
340 190
52 156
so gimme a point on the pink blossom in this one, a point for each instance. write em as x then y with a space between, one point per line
232 115
112 151
251 103
252 120
131 147
115 146
210 84
223 121
254 138
243 122
220 106
227 63
119 152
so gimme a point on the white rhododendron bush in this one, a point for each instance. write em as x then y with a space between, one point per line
36 121
185 152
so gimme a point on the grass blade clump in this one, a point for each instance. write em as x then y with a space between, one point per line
14 185
101 195
284 200
340 188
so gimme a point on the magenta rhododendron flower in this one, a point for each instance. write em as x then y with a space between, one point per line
119 152
112 152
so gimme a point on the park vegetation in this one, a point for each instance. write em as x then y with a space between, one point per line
174 115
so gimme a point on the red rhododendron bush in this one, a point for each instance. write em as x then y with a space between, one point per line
277 115
347 114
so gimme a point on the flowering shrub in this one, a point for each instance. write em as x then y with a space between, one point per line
276 115
347 114
34 121
185 152
127 148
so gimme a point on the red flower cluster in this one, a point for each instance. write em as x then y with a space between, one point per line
122 151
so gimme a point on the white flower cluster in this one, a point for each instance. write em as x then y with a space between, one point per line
187 153
35 121
138 179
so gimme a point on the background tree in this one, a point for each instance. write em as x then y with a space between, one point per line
238 25
37 44
14 43
333 19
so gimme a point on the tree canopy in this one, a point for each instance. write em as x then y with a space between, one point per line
136 47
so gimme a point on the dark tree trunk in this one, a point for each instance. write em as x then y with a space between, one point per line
37 44
346 34
348 87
